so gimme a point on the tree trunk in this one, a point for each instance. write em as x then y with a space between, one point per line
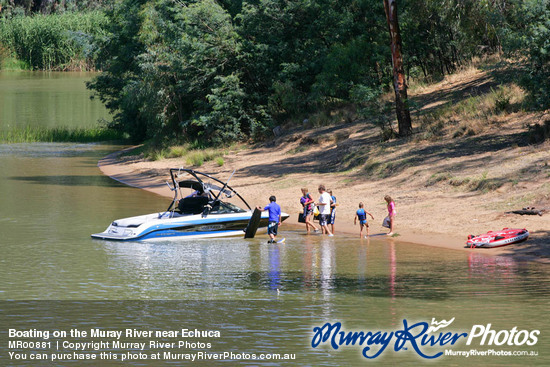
46 6
399 83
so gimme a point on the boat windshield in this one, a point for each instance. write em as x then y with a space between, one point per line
203 186
226 208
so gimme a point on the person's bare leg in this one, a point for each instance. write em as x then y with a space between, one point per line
391 226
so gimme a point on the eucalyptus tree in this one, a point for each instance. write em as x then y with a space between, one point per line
399 80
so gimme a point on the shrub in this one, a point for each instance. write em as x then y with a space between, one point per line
502 99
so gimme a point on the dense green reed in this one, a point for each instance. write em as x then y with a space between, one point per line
58 134
53 42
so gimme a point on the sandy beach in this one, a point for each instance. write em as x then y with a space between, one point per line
445 186
435 214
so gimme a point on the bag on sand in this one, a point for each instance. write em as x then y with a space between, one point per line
386 222
301 218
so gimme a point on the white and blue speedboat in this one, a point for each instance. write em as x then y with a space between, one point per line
201 214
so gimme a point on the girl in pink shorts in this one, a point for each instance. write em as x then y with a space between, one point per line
391 212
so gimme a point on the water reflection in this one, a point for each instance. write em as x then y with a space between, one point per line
501 267
327 268
274 272
48 99
313 267
393 272
266 296
69 180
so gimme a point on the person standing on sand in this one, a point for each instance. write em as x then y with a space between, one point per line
324 210
274 218
307 202
333 206
361 214
391 212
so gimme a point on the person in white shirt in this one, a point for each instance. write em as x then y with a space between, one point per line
324 209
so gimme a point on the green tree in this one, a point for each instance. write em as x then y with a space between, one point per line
231 70
527 36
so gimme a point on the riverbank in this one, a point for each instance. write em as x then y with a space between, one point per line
468 165
435 214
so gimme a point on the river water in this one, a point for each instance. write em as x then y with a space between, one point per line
263 298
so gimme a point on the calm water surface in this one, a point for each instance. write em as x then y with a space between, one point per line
54 197
48 99
264 297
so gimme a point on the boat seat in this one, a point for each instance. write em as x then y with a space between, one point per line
192 205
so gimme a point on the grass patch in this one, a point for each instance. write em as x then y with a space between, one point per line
484 184
438 177
59 134
355 157
432 126
372 167
459 181
198 157
481 183
381 170
11 63
467 128
329 118
511 203
472 115
177 151
193 156
139 150
298 149
156 155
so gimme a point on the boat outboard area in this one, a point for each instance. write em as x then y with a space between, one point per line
202 208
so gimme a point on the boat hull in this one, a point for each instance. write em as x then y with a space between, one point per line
163 226
492 239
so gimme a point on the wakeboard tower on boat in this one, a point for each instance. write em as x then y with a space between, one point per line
201 214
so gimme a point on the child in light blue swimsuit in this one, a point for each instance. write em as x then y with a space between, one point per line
362 216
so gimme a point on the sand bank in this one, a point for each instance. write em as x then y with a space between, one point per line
431 216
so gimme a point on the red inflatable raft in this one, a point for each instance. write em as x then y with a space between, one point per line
505 237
